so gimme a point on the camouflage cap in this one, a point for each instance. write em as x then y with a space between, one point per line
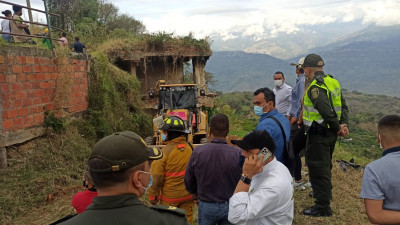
299 64
313 60
123 150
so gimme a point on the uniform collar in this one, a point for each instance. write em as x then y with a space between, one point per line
218 141
391 150
114 201
178 139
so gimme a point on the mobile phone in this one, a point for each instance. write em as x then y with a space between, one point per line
265 151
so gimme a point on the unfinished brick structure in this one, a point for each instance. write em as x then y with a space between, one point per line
32 81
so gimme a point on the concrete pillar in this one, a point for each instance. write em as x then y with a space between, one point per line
199 73
3 158
134 65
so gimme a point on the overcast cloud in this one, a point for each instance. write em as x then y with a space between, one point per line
257 18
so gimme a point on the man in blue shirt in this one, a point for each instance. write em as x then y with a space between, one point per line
297 136
264 106
78 46
213 172
380 184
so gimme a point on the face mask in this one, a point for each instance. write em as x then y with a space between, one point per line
163 137
150 182
258 110
278 83
380 142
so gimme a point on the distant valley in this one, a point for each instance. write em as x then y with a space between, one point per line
367 61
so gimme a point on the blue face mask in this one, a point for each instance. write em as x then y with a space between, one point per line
150 182
163 137
258 110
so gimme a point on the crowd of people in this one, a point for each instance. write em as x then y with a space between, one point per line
17 30
252 183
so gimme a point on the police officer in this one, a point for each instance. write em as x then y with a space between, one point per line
168 173
120 168
325 117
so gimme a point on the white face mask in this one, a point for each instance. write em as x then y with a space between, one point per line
278 83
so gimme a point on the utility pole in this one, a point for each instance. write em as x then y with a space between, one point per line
28 3
48 24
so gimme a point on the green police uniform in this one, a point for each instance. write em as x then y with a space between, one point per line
127 209
324 110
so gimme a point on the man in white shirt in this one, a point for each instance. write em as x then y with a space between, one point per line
264 193
283 94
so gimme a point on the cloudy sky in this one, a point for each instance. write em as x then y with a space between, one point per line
257 18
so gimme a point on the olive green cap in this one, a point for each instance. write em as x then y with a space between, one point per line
123 150
313 60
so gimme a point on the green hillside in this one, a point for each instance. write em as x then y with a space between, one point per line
366 61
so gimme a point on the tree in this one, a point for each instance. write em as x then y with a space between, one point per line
210 80
127 23
107 12
72 12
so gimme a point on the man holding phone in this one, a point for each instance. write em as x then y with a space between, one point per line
264 193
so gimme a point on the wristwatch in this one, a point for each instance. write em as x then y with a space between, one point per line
245 179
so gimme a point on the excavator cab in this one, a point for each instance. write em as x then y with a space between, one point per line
179 100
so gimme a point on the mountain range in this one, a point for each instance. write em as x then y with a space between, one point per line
366 61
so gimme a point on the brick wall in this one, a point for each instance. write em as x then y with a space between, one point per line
32 81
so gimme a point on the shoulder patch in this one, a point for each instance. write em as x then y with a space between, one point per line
170 209
314 93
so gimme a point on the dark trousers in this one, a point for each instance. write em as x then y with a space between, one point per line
319 152
213 213
298 141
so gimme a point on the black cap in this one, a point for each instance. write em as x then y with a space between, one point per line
256 139
123 150
313 60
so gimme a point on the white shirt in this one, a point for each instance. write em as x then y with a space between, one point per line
269 200
283 99
5 26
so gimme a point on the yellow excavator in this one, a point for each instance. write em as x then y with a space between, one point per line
179 100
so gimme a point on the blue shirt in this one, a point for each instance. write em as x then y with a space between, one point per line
297 94
381 180
213 171
78 47
274 130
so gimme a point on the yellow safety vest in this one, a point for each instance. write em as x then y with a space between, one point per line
334 93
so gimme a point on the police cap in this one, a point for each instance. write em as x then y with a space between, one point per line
123 150
313 60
